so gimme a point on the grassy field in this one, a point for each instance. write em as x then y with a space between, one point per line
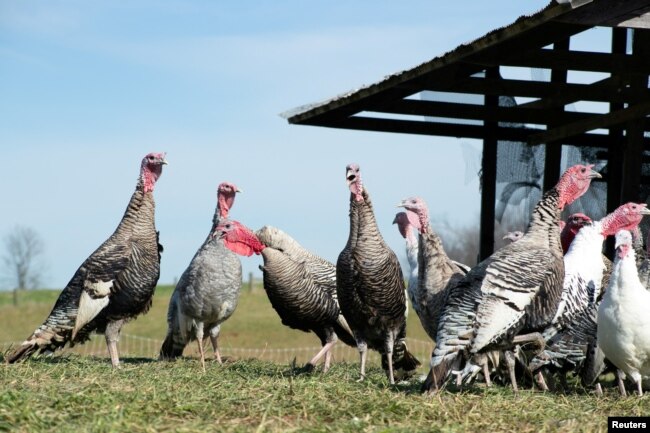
72 392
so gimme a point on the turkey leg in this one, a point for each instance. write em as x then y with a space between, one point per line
199 340
112 335
214 336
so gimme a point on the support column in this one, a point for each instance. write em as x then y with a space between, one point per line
488 176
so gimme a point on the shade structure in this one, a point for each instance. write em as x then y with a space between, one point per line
468 93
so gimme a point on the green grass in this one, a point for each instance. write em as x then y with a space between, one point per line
82 393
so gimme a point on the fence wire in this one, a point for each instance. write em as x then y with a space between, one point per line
137 346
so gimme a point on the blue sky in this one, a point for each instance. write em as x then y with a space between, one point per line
89 87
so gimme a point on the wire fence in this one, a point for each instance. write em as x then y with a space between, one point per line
137 346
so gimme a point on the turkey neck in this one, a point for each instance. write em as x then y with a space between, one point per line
435 266
362 220
139 213
543 229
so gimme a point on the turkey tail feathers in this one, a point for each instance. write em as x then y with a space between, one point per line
171 349
439 373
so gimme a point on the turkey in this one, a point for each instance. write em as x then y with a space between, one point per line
571 228
644 269
113 285
513 236
406 222
623 320
208 291
510 296
436 271
370 287
573 328
300 285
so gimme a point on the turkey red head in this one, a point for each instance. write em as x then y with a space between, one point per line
353 178
575 182
623 243
226 197
151 169
238 238
417 206
625 217
572 226
404 221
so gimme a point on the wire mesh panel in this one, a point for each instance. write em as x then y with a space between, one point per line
137 346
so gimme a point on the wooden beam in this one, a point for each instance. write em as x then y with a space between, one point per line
451 130
632 113
515 114
605 90
571 60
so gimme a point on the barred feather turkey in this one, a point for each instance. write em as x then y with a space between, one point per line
510 296
370 287
208 291
436 271
300 285
573 328
114 284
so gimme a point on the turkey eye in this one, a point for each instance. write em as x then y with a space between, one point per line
583 170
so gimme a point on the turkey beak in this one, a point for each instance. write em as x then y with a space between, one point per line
350 177
645 211
239 190
594 175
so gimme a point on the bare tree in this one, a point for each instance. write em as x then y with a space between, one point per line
24 248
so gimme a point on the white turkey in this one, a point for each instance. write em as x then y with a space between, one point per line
573 328
208 291
510 296
114 284
370 287
300 285
406 223
623 320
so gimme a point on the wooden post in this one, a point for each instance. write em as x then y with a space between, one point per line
488 176
616 146
250 282
632 157
553 150
15 297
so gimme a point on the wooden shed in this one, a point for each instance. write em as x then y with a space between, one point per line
619 129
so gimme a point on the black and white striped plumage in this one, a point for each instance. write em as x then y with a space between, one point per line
208 291
573 328
302 289
516 290
115 284
370 286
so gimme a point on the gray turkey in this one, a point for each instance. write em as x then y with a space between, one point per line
644 269
113 285
573 328
208 291
510 296
302 289
301 286
370 287
436 271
